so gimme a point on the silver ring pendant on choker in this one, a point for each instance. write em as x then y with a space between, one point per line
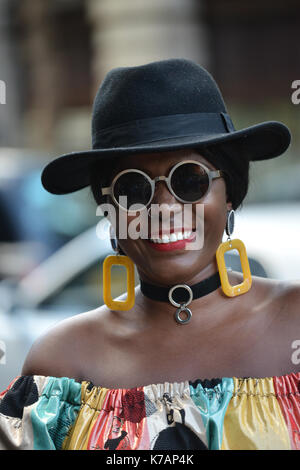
182 306
175 295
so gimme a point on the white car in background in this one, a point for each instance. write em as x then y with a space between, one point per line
69 281
271 234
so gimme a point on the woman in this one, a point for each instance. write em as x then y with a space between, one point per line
167 119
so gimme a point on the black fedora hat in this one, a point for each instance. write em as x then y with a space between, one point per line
165 105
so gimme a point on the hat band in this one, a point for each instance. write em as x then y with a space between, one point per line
159 128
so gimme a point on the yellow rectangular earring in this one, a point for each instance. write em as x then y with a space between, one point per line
228 289
119 260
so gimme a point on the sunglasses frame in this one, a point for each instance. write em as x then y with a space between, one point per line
212 174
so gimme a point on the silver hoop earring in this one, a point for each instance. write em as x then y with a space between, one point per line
229 223
114 244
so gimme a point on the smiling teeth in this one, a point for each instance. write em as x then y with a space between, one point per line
174 237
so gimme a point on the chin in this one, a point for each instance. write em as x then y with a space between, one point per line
169 272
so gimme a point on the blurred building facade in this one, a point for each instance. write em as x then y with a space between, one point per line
10 74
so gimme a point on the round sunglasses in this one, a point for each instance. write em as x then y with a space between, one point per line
188 181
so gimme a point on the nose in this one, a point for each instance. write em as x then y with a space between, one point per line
165 200
162 195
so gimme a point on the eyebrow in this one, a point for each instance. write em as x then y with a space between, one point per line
142 167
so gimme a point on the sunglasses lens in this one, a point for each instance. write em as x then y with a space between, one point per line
135 187
190 182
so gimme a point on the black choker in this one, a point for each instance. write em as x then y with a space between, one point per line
181 295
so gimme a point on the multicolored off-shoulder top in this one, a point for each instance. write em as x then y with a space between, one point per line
38 412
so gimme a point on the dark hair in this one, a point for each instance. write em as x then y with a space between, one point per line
100 175
236 169
236 173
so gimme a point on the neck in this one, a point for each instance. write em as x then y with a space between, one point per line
157 310
202 274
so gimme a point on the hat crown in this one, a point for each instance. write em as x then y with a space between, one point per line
168 87
158 107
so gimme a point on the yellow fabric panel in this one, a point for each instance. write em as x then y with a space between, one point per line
253 419
92 402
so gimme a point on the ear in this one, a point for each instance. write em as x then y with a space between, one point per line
229 206
114 242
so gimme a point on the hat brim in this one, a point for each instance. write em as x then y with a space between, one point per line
71 172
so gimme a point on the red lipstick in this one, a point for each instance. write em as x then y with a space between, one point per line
172 246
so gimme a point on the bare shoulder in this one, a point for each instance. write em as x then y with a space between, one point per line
272 325
289 296
291 290
272 300
59 351
284 330
286 294
282 307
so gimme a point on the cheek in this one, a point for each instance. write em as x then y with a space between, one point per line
215 221
127 225
210 225
214 214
